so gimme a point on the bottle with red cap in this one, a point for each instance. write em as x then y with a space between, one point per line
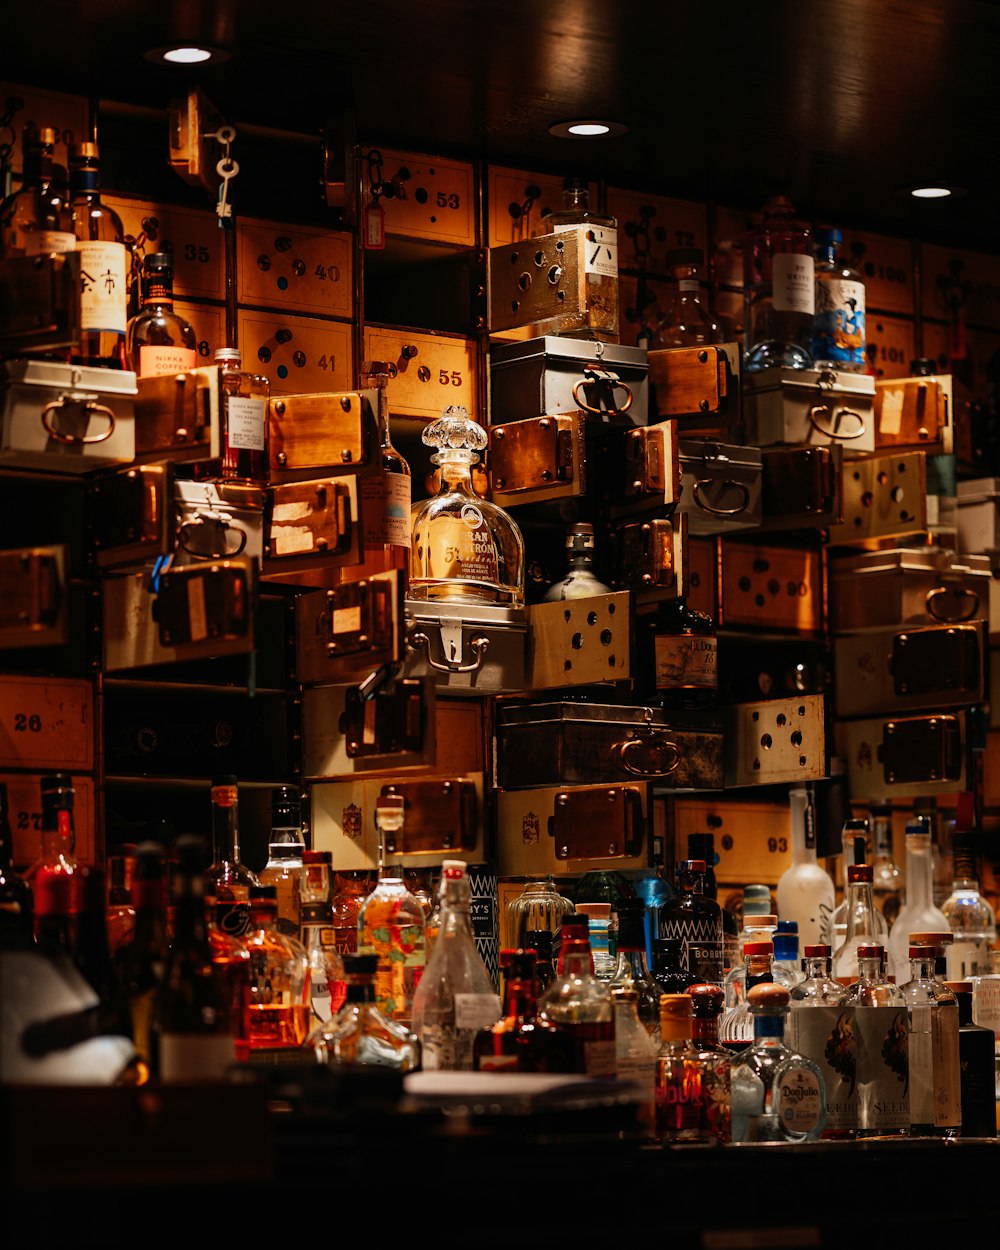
714 1063
519 1041
579 1006
821 1025
881 1036
736 1025
862 923
933 1048
58 852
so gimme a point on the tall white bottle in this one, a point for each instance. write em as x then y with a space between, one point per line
805 891
918 913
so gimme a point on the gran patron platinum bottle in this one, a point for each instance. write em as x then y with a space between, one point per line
159 341
465 549
103 265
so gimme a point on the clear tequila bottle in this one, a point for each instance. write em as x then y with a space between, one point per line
970 917
821 1025
933 1048
862 927
464 548
881 1037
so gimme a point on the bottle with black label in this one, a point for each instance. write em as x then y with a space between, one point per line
696 920
976 1062
678 657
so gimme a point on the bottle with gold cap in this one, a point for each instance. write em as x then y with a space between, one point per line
35 219
678 1075
100 242
778 1095
713 1062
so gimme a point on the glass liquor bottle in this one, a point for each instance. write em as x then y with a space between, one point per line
669 971
58 850
805 891
456 997
386 493
92 955
602 885
918 913
887 880
600 261
575 927
779 289
464 548
228 880
580 581
359 1033
862 926
196 1020
350 889
278 1004
714 1063
636 1054
736 1025
100 241
579 1007
598 934
120 910
838 325
16 906
778 1095
143 961
678 656
54 916
678 1075
631 970
702 846
392 925
977 1067
970 917
518 1041
821 1025
245 434
696 920
686 322
756 928
933 1049
285 847
881 1031
854 843
327 987
159 341
787 967
538 906
35 220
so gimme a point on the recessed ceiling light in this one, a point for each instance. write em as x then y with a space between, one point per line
930 193
587 128
188 54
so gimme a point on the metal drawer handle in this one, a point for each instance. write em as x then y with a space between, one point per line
634 746
818 410
601 377
202 522
478 645
958 592
89 404
708 507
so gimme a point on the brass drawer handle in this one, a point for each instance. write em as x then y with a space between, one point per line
203 522
602 378
817 410
958 592
638 747
708 507
478 646
89 404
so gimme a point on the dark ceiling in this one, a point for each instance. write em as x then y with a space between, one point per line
838 104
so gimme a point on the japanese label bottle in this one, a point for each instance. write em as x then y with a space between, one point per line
244 398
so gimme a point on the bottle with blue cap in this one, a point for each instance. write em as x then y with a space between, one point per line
787 967
838 326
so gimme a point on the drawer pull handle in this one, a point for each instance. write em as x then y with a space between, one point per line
90 405
741 487
606 380
833 430
632 751
221 524
959 592
478 646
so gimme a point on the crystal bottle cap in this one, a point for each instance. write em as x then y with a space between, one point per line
454 430
869 952
819 950
859 872
767 997
758 948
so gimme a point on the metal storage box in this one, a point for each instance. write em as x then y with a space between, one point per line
549 374
979 515
810 406
907 585
561 743
721 486
66 418
467 648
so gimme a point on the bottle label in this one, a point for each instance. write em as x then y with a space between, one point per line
921 1052
385 509
883 1068
600 248
798 1098
838 332
195 1056
826 1036
600 1058
162 362
233 918
947 1070
793 283
968 959
246 420
986 1003
701 944
103 295
401 951
44 242
477 1011
463 548
498 1063
688 661
688 284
